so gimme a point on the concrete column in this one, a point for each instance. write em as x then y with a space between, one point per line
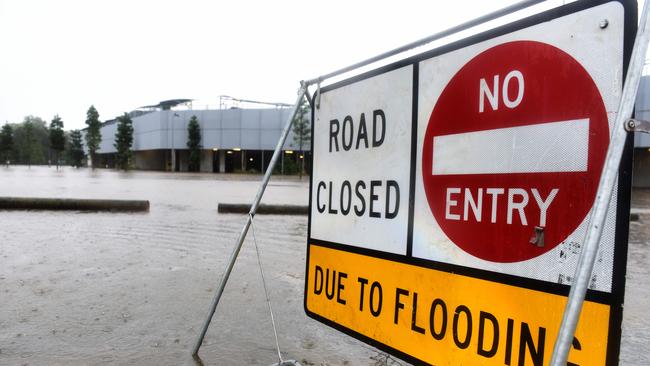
206 161
243 161
222 161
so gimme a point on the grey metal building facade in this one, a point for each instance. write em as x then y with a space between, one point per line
641 172
233 140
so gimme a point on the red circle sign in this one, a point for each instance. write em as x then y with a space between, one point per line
513 151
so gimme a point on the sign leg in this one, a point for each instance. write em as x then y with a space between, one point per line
603 196
253 210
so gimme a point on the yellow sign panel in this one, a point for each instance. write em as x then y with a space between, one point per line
444 318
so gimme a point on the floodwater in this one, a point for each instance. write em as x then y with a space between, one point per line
121 288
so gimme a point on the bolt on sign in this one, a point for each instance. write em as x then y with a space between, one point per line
451 191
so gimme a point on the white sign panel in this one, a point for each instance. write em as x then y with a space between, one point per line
537 106
362 134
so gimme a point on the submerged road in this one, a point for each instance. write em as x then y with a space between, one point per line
133 288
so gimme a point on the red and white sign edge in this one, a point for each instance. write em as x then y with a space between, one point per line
578 35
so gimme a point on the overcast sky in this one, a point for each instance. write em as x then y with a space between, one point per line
59 57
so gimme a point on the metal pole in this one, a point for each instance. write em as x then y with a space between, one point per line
173 150
251 213
461 27
603 196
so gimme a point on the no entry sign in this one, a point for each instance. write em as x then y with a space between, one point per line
516 141
451 190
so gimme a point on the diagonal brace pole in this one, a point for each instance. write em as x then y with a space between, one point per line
251 213
604 194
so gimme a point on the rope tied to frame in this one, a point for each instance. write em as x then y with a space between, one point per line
266 292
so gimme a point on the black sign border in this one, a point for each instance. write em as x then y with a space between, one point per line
614 299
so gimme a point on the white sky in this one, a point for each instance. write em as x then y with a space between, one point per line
62 56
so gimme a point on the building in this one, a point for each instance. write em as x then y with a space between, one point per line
641 171
233 139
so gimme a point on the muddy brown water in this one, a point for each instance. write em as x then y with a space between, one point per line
121 288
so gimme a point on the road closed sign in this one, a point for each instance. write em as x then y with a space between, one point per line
451 192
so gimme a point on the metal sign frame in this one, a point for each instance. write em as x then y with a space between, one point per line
613 299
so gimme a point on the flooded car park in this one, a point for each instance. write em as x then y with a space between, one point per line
80 288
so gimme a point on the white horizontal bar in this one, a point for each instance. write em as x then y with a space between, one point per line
546 147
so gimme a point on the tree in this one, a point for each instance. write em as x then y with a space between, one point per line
28 142
123 141
31 141
57 138
76 148
6 142
194 144
302 133
93 133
